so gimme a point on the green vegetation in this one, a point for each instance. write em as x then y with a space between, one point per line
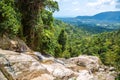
102 22
9 18
62 39
31 20
80 42
104 45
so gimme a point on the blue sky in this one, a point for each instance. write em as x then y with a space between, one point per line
72 8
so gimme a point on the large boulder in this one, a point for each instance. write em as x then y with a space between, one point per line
59 71
24 66
21 66
92 63
32 66
13 44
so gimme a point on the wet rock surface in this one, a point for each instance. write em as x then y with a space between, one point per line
2 77
29 66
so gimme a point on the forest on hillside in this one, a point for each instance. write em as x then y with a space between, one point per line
33 22
106 45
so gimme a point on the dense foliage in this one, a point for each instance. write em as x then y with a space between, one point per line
9 18
105 45
80 42
31 20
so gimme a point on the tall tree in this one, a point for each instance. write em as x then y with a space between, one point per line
32 18
62 39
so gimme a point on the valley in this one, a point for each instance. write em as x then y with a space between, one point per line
102 22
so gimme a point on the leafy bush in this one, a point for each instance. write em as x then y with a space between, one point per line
10 20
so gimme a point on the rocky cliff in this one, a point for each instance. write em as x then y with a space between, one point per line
29 65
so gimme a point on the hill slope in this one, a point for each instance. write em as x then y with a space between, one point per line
105 21
108 16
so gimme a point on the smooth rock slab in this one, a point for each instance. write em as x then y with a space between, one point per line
2 77
85 75
44 77
90 62
59 70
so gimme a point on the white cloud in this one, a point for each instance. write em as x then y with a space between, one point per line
101 3
86 7
57 0
75 2
118 4
77 9
62 1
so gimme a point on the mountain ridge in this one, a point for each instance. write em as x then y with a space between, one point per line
101 22
109 16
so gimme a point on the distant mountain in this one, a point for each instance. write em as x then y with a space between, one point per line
102 22
106 16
